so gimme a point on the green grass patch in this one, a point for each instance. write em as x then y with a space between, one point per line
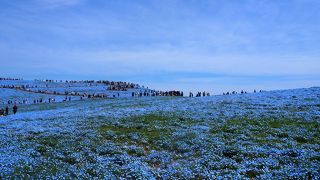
44 169
309 99
275 124
51 141
149 129
139 105
267 131
144 132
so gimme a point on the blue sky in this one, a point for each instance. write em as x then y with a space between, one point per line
213 45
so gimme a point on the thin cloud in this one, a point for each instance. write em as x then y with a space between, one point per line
152 38
58 3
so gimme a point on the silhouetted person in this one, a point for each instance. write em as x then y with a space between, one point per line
7 111
15 109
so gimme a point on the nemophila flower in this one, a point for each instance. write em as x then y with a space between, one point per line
263 135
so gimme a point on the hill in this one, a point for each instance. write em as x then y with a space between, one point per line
259 135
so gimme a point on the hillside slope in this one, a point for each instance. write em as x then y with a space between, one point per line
264 135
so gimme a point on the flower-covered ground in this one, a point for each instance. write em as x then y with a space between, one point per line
268 135
58 87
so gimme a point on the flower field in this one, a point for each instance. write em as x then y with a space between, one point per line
268 135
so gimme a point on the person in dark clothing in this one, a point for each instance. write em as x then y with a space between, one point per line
7 111
15 109
1 112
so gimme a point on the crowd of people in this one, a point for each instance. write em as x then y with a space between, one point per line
53 100
120 86
242 92
29 88
42 88
10 79
5 111
199 94
66 81
156 93
112 85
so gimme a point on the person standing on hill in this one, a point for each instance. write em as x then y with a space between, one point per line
15 109
7 111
